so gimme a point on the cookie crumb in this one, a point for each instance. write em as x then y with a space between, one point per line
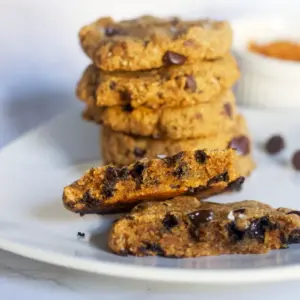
80 234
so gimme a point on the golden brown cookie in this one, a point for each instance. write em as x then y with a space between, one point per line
165 87
111 189
186 227
201 120
122 149
148 42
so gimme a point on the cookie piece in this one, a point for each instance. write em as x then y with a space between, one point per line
169 123
122 149
186 227
165 87
148 42
111 189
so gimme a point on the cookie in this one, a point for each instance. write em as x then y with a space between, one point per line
148 42
169 123
112 189
122 149
165 87
186 227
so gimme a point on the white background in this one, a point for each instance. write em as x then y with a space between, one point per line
40 63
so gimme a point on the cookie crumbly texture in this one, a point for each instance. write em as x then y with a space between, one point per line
201 120
111 189
148 42
122 149
172 86
186 227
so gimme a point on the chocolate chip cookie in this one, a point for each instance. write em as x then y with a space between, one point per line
112 189
201 120
186 227
148 42
165 87
122 149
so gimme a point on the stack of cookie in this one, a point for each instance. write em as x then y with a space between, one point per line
161 86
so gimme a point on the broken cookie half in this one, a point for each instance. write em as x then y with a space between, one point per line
110 189
186 227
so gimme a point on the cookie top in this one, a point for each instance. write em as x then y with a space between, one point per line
201 120
110 189
186 227
165 87
149 42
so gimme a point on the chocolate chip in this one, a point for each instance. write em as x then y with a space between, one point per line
258 227
159 95
170 221
172 58
138 152
127 108
237 184
137 173
146 43
108 190
125 96
218 178
195 190
201 216
89 201
123 173
234 233
112 31
81 214
228 110
198 116
294 212
189 43
152 247
274 144
296 160
172 160
181 170
80 234
200 156
294 236
112 85
239 211
175 186
190 83
111 174
241 144
174 21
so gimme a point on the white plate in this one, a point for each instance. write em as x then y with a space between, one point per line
34 223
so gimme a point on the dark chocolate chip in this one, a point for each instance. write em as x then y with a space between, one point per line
296 160
274 144
146 43
123 173
201 216
200 156
159 95
294 236
112 85
234 233
228 110
112 31
175 186
128 217
172 160
237 184
89 201
111 174
294 212
190 83
241 144
172 58
170 221
181 170
258 227
239 211
175 21
195 190
108 189
137 173
218 178
198 116
189 43
125 96
138 152
152 247
127 108
81 214
80 234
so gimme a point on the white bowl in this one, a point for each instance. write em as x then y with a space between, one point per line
266 82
